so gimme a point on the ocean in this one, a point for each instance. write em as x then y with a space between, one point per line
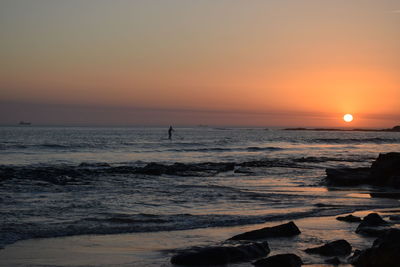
71 181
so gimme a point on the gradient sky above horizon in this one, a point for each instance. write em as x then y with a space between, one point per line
216 62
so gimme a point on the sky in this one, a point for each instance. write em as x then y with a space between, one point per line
211 62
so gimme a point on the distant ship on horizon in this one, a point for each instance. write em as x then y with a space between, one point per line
24 123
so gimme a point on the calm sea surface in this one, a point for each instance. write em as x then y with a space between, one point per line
63 181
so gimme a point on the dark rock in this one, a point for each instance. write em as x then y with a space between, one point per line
393 195
280 260
221 254
385 170
391 237
333 261
152 169
375 231
384 252
244 170
95 164
372 225
394 217
348 176
335 248
313 159
393 181
214 167
283 230
63 180
59 174
258 163
268 163
354 257
181 169
349 218
372 220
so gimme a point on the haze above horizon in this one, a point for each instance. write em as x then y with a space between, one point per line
259 63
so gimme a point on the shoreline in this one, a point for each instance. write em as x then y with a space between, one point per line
156 248
319 210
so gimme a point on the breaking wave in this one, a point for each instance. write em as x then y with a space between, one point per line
124 223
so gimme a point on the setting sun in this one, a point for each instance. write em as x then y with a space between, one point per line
348 118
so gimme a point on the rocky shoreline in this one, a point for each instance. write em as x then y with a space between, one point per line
253 246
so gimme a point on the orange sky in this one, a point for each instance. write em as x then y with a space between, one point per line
250 63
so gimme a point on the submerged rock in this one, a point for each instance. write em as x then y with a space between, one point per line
57 175
283 230
384 252
183 169
190 169
152 169
349 218
280 260
221 254
265 163
335 248
244 170
94 164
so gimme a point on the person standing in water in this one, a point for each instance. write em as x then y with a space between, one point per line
170 132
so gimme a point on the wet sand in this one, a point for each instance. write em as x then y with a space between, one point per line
156 248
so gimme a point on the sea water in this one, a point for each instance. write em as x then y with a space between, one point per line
67 181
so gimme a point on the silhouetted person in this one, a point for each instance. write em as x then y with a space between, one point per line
170 132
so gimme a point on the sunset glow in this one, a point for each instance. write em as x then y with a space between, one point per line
280 63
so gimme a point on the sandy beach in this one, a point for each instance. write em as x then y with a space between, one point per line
156 249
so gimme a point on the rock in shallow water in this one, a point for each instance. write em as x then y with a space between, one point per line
185 169
385 252
373 219
372 225
348 176
334 248
384 171
349 218
376 231
221 254
394 217
393 195
283 230
244 170
280 260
